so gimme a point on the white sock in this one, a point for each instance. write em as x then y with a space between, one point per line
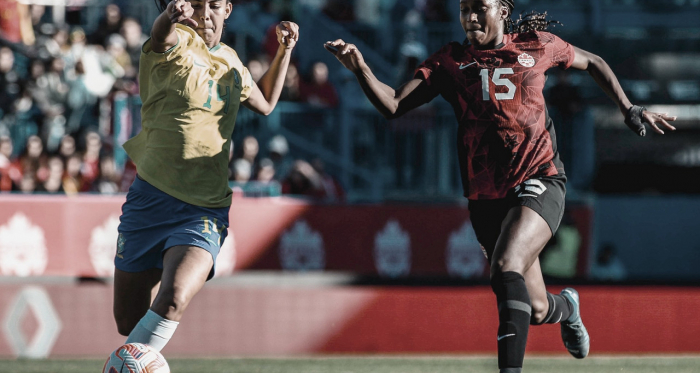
153 330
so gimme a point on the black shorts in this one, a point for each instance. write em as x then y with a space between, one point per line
545 195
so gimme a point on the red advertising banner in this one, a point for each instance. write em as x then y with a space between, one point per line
76 236
227 319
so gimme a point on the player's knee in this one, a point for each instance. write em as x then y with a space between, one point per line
503 265
171 304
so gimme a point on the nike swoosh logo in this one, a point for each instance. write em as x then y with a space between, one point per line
199 64
504 336
463 66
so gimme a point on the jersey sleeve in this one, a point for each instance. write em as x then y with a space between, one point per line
431 69
185 39
560 53
246 84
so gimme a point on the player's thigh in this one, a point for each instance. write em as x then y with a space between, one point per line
185 270
523 235
133 294
486 218
538 206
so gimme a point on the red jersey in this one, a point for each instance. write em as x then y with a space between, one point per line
505 136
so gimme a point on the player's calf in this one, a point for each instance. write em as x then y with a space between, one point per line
514 311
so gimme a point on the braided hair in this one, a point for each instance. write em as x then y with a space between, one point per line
526 22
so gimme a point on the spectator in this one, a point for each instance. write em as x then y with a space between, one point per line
23 119
277 152
90 169
109 178
9 80
110 24
28 183
72 180
77 46
133 34
292 82
120 59
53 85
36 14
303 180
319 92
79 99
58 46
250 150
608 266
332 190
67 147
242 170
257 68
33 161
266 171
5 163
54 182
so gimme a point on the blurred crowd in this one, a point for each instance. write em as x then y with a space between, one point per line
56 86
274 166
57 89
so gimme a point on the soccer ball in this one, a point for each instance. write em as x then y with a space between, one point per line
136 358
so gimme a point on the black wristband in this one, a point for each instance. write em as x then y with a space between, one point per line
633 120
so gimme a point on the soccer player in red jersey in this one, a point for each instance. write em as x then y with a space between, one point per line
509 163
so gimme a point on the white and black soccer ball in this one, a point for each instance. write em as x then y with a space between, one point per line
136 358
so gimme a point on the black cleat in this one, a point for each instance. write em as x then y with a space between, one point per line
573 333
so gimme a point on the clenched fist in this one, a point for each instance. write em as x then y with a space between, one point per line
180 11
287 34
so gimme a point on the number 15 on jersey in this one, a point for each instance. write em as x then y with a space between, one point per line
499 81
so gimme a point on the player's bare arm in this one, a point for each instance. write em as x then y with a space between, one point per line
163 36
266 92
606 79
389 102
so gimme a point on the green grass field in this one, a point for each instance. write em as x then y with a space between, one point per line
376 364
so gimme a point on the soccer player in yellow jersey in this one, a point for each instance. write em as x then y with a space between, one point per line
175 216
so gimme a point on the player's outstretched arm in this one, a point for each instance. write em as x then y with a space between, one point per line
635 116
163 36
389 102
266 93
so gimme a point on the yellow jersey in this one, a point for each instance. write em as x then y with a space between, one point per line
191 95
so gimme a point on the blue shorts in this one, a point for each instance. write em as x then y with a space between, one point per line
153 221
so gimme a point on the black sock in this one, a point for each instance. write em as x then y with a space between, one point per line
514 309
559 309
